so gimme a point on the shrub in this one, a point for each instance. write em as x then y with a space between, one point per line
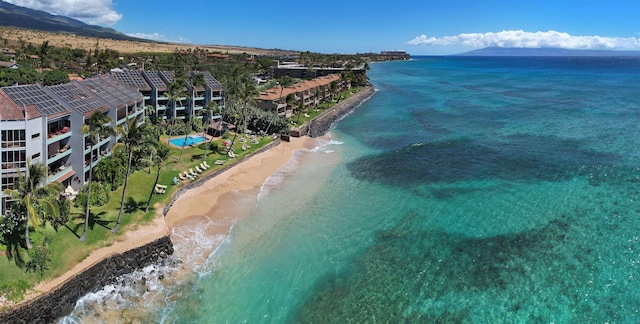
210 146
14 290
40 258
99 194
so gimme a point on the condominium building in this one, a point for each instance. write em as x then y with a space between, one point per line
302 94
300 71
154 84
43 125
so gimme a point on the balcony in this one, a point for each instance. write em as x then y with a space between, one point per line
58 136
103 154
59 173
102 141
56 156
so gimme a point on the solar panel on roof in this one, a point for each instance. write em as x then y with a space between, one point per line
154 79
34 95
132 79
76 98
211 81
104 91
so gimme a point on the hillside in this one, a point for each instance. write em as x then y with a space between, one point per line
21 17
35 37
21 26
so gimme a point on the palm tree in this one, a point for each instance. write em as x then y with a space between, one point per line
246 91
175 91
211 108
284 82
97 125
197 80
34 199
131 138
150 112
162 153
43 52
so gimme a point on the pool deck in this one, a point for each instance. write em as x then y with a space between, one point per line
206 136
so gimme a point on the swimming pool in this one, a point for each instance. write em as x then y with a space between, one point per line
191 140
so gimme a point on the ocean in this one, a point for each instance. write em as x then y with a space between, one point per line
465 190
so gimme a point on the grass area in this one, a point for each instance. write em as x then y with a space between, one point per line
67 250
300 118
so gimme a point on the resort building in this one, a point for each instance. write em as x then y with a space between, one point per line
154 85
43 125
394 55
299 71
301 95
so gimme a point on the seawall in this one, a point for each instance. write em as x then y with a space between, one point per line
59 302
321 124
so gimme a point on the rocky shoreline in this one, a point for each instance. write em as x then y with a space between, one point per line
321 124
59 302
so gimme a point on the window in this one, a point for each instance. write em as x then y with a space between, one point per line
8 182
34 136
13 138
14 159
35 156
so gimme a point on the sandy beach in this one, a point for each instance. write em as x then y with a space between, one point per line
202 201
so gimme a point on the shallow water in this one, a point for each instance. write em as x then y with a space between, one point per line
465 190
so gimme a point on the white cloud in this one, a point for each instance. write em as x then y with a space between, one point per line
159 37
522 39
93 12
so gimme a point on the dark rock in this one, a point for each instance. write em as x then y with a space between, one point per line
48 307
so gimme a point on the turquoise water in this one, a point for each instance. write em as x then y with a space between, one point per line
465 190
191 140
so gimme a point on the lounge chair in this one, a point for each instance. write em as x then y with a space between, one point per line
159 190
219 162
182 177
202 166
198 169
231 154
193 173
205 164
175 180
186 174
245 147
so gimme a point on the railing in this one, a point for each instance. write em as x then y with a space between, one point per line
58 155
62 170
58 137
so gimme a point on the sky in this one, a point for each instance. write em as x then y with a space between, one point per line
420 27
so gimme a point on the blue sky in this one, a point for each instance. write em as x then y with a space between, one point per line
421 27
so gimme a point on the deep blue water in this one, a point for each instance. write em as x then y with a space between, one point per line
465 190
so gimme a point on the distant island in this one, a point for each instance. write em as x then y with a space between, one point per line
507 51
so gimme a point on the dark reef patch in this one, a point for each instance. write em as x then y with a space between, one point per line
515 158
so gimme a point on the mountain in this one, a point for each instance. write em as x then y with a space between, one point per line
21 17
506 51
